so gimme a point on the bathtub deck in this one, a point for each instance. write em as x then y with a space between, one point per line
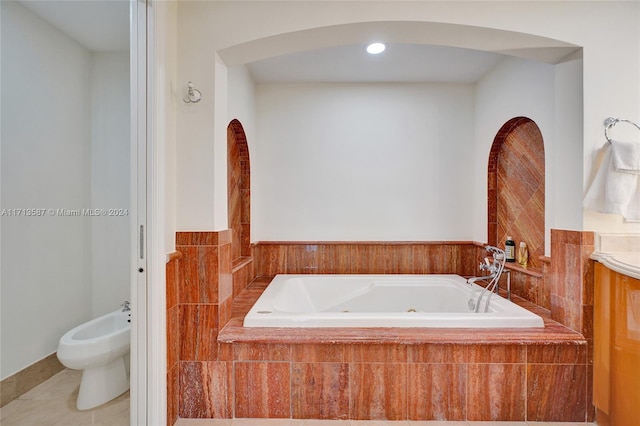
553 332
392 373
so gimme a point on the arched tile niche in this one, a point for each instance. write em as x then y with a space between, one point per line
516 190
238 191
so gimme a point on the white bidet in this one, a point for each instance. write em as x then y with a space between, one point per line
98 348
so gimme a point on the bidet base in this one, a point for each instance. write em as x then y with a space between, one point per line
102 384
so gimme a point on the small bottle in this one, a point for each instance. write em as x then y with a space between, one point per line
510 249
523 254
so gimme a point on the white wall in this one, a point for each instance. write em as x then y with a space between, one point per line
45 164
610 72
110 180
169 95
242 102
363 162
564 188
65 145
516 87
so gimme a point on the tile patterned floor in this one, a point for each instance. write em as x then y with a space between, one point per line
53 404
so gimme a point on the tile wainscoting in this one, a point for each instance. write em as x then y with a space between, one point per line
204 374
392 374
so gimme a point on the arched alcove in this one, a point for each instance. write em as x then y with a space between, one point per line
516 190
238 190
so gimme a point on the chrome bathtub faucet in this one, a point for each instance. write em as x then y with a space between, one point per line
495 269
126 306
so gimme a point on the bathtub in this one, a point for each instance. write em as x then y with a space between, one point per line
433 301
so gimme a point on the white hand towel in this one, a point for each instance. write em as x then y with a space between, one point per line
612 191
626 156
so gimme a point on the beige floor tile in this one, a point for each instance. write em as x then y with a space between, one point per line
53 403
7 410
64 384
34 412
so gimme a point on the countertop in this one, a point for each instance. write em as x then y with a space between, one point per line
619 252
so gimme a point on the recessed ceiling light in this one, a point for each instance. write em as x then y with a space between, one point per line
375 48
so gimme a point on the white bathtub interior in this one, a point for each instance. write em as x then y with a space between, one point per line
434 300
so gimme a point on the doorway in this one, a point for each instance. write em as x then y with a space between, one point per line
73 139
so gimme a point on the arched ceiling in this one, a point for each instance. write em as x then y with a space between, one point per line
419 51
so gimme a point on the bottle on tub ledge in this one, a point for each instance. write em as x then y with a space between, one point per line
510 249
523 254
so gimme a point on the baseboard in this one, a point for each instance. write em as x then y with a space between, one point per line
24 380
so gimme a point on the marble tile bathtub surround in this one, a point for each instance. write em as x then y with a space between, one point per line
353 374
200 286
384 374
444 257
571 279
293 422
173 336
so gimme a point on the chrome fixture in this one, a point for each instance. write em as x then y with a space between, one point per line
126 306
494 267
610 122
193 95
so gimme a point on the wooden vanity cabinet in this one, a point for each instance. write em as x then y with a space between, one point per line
616 355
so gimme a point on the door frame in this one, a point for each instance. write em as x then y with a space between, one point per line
148 343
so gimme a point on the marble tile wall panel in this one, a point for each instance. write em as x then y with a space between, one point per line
544 291
496 392
436 392
571 279
433 382
525 285
369 353
205 391
334 259
242 275
173 336
225 272
378 391
200 274
491 354
173 394
437 353
172 278
262 389
556 392
262 352
320 390
503 368
272 258
320 353
198 332
225 311
557 354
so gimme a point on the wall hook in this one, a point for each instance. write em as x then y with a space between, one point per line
193 95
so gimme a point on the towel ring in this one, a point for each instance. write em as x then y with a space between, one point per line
610 122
